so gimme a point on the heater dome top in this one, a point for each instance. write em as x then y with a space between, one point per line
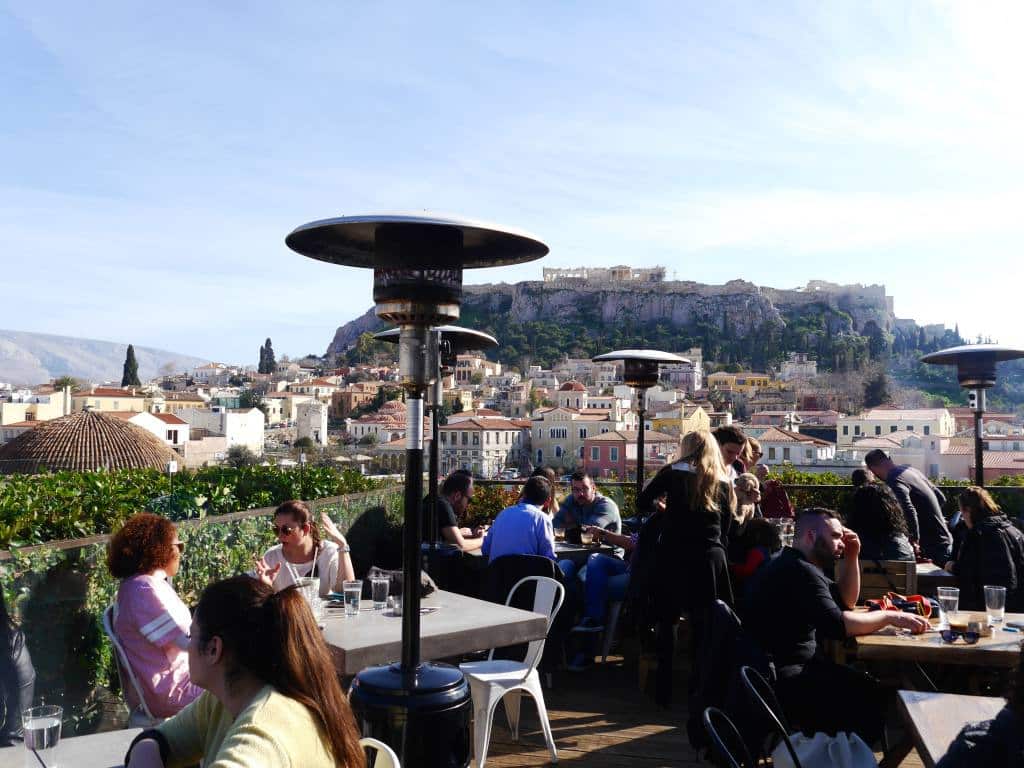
642 355
461 339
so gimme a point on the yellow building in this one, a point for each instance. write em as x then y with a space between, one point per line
747 383
680 418
109 399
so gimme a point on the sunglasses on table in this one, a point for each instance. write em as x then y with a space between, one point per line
950 636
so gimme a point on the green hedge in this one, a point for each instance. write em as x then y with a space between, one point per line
68 505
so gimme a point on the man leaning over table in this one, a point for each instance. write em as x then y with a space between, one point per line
523 528
585 506
791 604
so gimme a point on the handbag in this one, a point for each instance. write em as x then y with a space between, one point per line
844 750
893 601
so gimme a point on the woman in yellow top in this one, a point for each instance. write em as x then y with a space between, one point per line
272 697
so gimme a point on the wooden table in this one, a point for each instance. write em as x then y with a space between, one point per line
579 553
930 577
459 625
98 750
935 719
1002 649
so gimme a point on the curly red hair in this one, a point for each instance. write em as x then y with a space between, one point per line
143 544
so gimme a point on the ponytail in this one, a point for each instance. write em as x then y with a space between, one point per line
274 637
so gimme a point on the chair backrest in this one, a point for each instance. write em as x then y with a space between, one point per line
547 599
381 755
878 577
726 741
764 699
133 695
503 573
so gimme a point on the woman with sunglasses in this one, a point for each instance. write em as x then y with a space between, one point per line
150 620
301 552
272 697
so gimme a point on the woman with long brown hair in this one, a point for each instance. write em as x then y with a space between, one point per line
300 552
272 695
992 553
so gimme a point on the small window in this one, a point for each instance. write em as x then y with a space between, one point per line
809 453
856 429
910 427
583 433
878 429
558 451
927 429
613 453
771 450
595 453
785 454
893 428
846 429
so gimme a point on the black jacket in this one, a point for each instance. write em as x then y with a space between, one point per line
995 743
992 553
922 506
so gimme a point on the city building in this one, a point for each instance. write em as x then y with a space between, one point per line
613 454
876 422
311 422
107 399
798 367
784 446
483 446
42 404
471 369
242 427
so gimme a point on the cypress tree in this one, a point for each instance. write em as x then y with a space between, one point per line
262 367
270 362
130 373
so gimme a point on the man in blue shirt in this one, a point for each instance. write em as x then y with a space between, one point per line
585 506
524 528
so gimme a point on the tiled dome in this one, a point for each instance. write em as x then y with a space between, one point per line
572 386
83 441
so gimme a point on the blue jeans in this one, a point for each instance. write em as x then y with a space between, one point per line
568 569
607 580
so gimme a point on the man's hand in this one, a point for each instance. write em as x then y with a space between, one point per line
479 530
851 544
916 624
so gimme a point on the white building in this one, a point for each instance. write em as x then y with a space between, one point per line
484 446
312 422
240 426
782 446
798 367
877 422
212 374
687 376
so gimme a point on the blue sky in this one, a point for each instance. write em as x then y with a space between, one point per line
154 157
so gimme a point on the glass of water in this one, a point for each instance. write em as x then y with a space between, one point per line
42 731
379 591
995 604
949 602
353 591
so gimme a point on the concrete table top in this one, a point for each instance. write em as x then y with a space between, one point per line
98 750
936 718
459 625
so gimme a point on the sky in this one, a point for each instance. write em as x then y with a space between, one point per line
153 157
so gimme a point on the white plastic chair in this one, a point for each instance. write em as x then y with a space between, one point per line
498 680
382 756
139 715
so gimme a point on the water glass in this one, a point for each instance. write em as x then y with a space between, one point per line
586 537
559 534
379 591
353 591
949 602
42 731
995 603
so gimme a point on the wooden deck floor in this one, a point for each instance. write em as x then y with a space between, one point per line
602 719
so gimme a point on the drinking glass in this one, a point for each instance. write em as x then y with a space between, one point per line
42 731
379 591
949 602
586 537
559 534
353 591
995 603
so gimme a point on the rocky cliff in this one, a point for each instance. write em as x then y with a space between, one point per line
737 310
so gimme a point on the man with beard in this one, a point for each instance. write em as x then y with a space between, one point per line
791 603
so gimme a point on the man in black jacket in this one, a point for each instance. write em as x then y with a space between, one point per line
921 503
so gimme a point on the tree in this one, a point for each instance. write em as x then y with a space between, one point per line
66 381
250 398
304 442
368 439
876 390
240 456
267 362
457 405
130 374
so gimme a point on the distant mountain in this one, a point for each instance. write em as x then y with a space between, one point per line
34 358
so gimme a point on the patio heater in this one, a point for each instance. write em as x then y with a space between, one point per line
976 371
641 373
420 709
447 343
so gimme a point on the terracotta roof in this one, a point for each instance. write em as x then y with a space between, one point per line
572 386
29 424
629 435
1003 460
84 441
779 435
878 441
169 418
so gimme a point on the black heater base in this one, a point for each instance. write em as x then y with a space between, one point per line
425 719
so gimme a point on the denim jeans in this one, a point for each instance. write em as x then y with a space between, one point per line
607 580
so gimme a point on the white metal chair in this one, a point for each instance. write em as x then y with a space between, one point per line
139 715
382 756
498 680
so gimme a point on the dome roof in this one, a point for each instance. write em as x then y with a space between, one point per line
572 386
84 441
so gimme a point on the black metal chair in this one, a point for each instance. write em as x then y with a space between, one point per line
726 742
763 696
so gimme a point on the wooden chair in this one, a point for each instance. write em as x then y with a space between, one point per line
878 577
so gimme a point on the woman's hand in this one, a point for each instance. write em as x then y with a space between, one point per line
265 573
332 531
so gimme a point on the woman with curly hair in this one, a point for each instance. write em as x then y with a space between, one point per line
150 620
875 515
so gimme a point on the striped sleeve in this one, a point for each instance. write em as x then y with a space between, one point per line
152 610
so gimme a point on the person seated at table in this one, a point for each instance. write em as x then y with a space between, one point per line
996 743
150 620
17 677
272 695
524 528
455 494
302 553
860 477
921 503
585 506
731 441
752 549
791 605
875 516
551 506
992 553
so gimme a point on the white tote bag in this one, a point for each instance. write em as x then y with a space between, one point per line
844 750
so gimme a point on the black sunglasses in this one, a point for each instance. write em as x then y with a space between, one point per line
950 636
283 530
180 545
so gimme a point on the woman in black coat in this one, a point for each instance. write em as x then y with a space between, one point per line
17 677
992 553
